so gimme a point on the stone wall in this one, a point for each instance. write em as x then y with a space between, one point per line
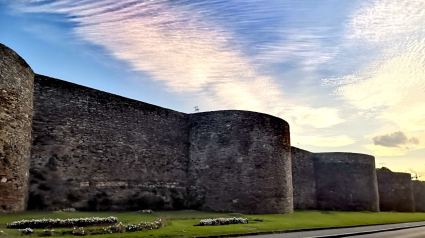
395 192
303 179
240 161
16 101
346 182
98 151
419 195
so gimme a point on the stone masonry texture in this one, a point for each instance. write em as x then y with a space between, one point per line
98 151
240 161
395 191
346 182
303 179
419 195
16 101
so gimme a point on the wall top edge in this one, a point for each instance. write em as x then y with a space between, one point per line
296 148
343 153
4 48
68 84
236 111
401 174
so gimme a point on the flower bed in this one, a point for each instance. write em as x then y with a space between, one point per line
223 221
26 231
56 223
116 228
145 226
119 228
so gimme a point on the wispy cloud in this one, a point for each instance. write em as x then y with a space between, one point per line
384 20
391 88
303 46
189 53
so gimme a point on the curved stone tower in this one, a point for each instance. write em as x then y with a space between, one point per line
240 162
395 191
16 109
419 195
303 179
346 182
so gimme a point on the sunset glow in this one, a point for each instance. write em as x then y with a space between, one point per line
347 76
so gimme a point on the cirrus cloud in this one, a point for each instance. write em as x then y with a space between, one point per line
184 50
390 87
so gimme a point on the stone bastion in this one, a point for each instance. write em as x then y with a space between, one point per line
303 179
419 195
334 181
346 182
16 95
395 191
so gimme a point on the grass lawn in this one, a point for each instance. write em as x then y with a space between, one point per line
177 221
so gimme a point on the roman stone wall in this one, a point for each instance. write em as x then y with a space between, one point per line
346 182
98 151
419 195
395 192
93 150
303 179
16 101
240 161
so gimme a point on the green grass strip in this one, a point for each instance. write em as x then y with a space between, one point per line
180 223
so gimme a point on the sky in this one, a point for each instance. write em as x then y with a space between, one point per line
348 76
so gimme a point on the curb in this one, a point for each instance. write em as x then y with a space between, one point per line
321 228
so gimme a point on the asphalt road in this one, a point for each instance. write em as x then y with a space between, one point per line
406 233
323 233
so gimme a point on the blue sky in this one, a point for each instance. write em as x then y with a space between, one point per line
346 75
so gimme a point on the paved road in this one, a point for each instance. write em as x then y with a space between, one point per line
307 234
406 233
